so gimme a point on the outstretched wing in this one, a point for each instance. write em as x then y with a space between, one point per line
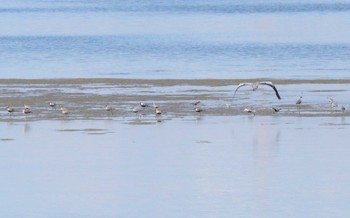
241 85
272 86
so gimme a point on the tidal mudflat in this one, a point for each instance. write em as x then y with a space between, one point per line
86 98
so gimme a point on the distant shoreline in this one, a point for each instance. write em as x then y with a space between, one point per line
169 82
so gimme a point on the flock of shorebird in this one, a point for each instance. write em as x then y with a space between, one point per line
109 109
274 109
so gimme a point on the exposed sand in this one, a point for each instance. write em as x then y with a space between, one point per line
86 98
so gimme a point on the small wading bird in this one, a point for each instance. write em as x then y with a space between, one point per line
343 109
109 109
255 86
10 110
155 105
26 110
299 100
135 110
198 109
52 104
158 111
298 103
249 111
142 104
333 103
276 109
64 110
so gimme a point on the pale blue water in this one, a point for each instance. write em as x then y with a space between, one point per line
237 166
175 39
222 167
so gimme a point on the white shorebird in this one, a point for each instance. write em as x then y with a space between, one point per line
333 103
249 111
109 108
158 111
155 105
255 86
26 106
26 110
64 110
142 104
52 104
10 110
198 109
135 110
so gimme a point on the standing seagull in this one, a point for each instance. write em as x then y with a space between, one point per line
256 85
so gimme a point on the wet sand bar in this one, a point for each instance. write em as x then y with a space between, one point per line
86 98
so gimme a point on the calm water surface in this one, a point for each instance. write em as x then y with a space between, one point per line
176 39
213 167
207 166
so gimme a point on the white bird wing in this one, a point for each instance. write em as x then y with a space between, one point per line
272 86
241 85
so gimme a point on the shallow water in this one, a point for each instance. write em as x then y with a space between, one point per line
212 167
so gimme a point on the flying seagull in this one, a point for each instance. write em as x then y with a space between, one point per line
256 85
